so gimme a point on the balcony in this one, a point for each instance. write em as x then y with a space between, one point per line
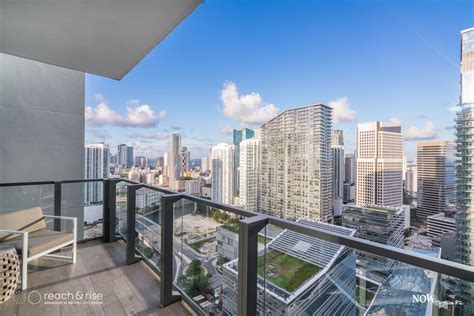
100 269
148 250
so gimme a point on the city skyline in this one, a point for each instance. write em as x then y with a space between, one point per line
420 101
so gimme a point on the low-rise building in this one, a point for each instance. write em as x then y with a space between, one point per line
349 192
297 274
227 237
385 225
438 225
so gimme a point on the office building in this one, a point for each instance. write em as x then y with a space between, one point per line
439 225
337 149
436 177
328 287
349 168
204 164
379 157
185 159
160 163
174 159
141 161
296 168
384 225
411 179
337 137
349 193
249 172
96 167
239 135
125 155
223 173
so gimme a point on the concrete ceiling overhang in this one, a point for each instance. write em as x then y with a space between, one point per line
102 37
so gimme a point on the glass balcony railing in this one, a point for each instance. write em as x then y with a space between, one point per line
224 260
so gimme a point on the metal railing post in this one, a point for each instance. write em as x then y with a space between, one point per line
166 257
131 231
248 252
109 210
57 205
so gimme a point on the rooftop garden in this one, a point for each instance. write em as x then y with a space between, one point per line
285 271
233 227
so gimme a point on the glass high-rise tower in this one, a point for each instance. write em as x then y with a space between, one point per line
465 173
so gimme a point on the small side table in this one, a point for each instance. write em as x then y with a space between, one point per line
9 272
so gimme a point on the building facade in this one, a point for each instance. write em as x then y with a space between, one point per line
185 159
465 171
436 177
438 225
296 168
379 179
411 179
239 135
384 225
223 173
249 172
329 290
96 167
349 168
125 155
174 159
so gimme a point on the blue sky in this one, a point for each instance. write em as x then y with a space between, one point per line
237 63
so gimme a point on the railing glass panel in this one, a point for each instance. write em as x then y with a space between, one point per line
205 239
147 218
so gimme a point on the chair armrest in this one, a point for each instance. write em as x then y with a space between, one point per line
24 237
67 218
16 232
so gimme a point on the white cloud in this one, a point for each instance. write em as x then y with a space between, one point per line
100 133
426 132
162 114
138 115
225 129
393 121
342 111
248 109
158 135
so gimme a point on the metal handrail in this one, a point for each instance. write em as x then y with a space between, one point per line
445 267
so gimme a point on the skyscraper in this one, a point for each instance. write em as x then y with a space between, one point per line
223 173
436 177
185 159
238 136
174 159
249 173
296 168
337 149
129 156
465 170
337 137
411 179
349 168
204 164
96 166
379 179
125 155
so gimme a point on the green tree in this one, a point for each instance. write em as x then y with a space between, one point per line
194 268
